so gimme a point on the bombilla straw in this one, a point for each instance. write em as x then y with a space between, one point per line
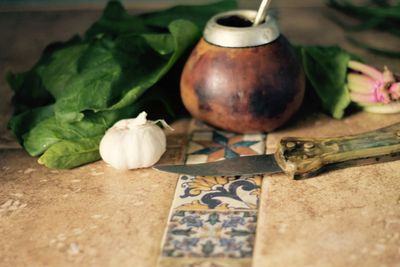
262 12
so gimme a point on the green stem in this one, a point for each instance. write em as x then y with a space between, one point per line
383 108
363 68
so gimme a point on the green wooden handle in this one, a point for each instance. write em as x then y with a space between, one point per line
306 157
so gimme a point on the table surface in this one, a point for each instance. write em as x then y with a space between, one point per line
96 216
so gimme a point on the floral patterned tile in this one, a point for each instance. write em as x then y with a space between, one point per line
213 219
213 145
203 262
217 193
207 234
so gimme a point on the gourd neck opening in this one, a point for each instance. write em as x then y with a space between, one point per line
235 29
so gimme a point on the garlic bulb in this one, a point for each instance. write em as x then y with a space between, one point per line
133 143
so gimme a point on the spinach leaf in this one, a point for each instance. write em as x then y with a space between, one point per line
80 88
116 21
119 71
51 130
326 70
28 86
24 122
184 35
68 154
29 89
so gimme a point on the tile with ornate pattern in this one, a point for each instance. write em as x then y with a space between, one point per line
204 234
217 192
213 219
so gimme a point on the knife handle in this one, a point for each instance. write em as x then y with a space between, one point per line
306 157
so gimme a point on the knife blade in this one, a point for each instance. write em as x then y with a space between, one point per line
305 157
248 165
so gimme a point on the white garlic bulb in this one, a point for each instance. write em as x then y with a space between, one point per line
133 143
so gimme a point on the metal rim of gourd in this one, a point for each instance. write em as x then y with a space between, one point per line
230 36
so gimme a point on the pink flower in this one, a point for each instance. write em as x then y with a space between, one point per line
372 89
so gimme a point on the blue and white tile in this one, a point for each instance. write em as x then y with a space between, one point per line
206 234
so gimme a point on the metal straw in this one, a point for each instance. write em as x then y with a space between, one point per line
262 12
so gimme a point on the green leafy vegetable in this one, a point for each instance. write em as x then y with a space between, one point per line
339 78
65 153
326 71
120 70
23 122
80 88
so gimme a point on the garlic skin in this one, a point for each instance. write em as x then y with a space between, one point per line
133 143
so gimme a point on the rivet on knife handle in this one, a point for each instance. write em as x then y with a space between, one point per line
306 157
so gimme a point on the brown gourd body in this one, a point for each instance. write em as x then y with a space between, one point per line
245 89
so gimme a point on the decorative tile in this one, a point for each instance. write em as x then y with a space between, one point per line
203 262
213 219
217 192
207 234
213 145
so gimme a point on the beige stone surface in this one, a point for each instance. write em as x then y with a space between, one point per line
96 216
348 217
91 216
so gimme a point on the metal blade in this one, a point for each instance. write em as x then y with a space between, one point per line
246 165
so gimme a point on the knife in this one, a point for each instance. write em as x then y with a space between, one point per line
302 158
